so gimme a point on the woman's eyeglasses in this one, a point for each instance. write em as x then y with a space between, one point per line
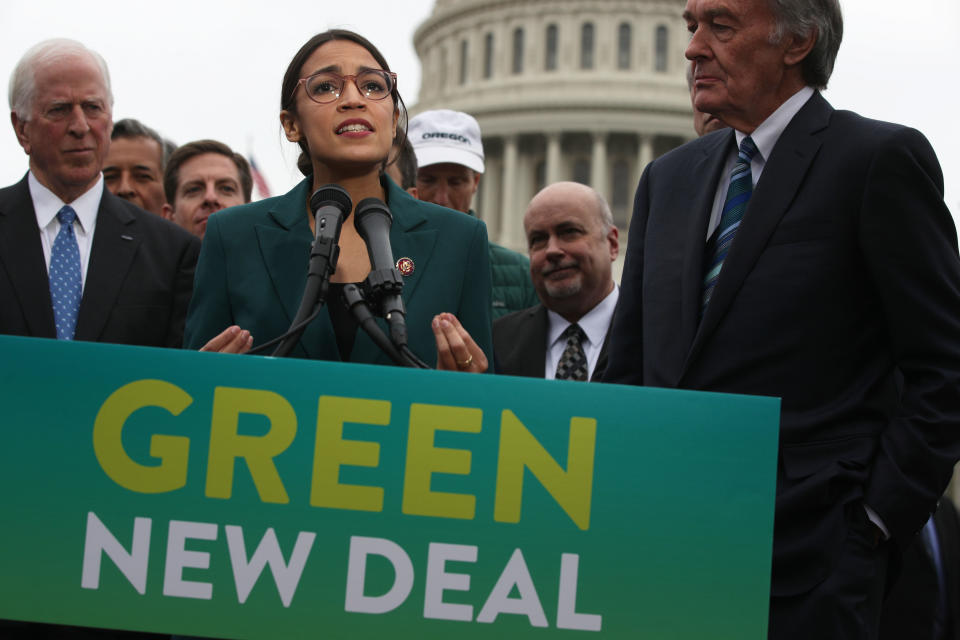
326 86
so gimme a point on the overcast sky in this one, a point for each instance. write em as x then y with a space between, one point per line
202 69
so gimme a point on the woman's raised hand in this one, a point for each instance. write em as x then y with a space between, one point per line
232 340
456 350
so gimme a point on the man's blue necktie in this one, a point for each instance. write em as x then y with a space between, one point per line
734 206
66 284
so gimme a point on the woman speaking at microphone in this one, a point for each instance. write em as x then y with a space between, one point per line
340 104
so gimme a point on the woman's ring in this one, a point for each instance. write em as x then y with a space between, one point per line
465 363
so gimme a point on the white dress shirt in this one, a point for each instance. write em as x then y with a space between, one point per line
765 138
46 205
595 325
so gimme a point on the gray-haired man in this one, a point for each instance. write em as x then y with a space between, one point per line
77 262
807 254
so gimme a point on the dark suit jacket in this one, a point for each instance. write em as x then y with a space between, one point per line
909 609
253 268
520 344
138 283
843 275
137 289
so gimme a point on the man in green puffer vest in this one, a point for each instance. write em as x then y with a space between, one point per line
449 154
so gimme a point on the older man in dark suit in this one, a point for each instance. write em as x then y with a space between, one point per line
77 262
805 253
572 243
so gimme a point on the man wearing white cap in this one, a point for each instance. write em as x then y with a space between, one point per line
450 162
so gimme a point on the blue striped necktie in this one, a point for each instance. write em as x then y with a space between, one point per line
66 284
734 206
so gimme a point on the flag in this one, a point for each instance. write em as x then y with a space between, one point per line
258 180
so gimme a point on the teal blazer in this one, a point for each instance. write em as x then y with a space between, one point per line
253 268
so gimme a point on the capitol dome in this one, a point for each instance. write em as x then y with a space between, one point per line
584 90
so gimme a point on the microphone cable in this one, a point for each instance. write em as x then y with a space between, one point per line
384 285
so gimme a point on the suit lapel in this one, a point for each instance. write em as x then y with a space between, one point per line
783 173
410 238
115 243
601 365
21 255
532 340
284 244
285 249
709 165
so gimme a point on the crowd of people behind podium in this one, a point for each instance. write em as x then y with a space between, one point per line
832 283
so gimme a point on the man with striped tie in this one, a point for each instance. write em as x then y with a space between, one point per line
804 253
77 262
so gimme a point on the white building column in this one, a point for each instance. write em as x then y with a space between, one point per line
598 165
644 154
553 172
511 233
490 198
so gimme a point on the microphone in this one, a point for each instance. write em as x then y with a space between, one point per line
373 222
331 205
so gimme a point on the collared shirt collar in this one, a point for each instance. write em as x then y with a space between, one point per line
46 204
766 135
594 324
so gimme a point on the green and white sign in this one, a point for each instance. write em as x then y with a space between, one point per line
245 497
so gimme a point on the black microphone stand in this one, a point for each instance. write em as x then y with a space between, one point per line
383 286
323 263
355 301
331 206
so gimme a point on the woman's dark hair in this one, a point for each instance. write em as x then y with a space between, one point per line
292 77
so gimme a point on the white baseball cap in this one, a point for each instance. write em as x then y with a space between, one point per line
443 135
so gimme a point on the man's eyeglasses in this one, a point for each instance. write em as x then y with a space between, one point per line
326 86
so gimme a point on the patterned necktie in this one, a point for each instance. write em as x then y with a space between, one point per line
573 361
66 285
734 206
